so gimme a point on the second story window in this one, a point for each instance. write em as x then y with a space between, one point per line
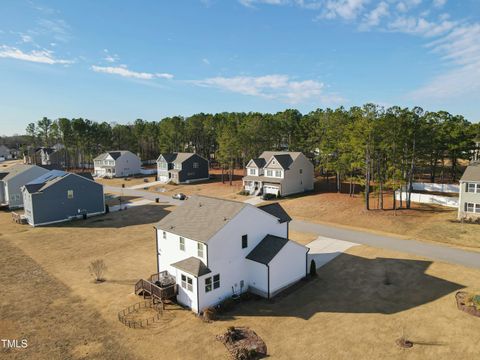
182 243
278 173
164 234
252 171
200 250
244 241
473 188
300 171
69 194
195 165
269 173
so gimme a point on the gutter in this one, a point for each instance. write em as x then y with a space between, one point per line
268 281
156 246
198 297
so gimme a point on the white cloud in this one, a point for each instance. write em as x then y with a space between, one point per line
122 70
346 9
57 28
374 17
111 58
206 61
38 56
420 26
439 3
279 87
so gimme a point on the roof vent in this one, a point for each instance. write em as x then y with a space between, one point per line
225 218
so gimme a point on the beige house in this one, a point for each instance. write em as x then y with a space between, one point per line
279 173
469 198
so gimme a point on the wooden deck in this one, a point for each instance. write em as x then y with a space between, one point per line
153 287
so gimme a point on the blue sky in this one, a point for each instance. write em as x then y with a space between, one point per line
117 60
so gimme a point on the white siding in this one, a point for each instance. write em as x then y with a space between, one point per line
287 267
258 278
127 164
296 182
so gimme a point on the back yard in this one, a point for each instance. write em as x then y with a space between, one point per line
349 311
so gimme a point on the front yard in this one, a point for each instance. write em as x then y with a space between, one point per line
349 311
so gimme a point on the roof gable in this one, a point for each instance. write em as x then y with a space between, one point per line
192 266
472 173
276 210
267 249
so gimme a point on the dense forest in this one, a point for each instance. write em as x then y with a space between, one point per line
368 145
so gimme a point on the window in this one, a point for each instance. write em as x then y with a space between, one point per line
182 243
472 208
278 173
195 165
200 250
164 234
269 172
177 166
244 241
252 171
216 281
187 283
300 171
474 188
70 194
208 284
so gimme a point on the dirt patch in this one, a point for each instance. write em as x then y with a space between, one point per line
243 343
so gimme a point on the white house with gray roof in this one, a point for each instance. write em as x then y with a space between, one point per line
469 196
217 248
279 173
12 180
118 163
5 153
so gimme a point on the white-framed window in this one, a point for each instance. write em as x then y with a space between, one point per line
252 171
163 165
472 208
212 283
69 194
182 243
177 166
278 173
269 173
187 282
195 165
200 250
473 188
164 234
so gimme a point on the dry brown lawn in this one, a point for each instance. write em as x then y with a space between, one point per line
132 181
422 222
348 312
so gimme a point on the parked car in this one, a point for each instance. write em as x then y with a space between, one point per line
179 196
268 196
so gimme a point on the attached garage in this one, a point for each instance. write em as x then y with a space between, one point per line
271 189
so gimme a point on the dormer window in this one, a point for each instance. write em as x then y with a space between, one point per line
252 171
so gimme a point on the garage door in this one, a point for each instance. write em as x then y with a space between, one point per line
270 189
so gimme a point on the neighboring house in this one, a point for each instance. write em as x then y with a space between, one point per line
59 196
5 153
217 248
50 156
476 152
279 173
181 168
12 180
469 198
117 164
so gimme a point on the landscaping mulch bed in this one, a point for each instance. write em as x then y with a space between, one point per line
243 343
465 303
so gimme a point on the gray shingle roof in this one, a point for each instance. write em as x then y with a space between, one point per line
276 210
267 249
472 172
114 154
200 217
177 158
52 177
285 160
260 162
15 170
193 266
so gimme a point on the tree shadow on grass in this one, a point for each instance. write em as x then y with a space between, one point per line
352 284
137 215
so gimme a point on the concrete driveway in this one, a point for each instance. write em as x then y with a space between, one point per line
324 249
163 199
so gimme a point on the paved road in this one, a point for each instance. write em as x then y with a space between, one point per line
427 250
143 194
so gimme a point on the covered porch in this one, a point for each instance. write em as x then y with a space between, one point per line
259 185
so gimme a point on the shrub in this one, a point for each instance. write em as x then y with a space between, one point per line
97 270
209 314
244 192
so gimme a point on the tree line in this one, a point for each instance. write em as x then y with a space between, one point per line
369 146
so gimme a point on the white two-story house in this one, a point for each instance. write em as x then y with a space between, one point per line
217 248
279 173
469 197
117 164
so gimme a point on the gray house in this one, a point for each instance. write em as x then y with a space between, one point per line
50 156
469 198
5 153
12 180
59 196
182 168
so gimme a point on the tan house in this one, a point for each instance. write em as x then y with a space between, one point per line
279 173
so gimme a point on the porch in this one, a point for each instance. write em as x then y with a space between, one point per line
159 286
